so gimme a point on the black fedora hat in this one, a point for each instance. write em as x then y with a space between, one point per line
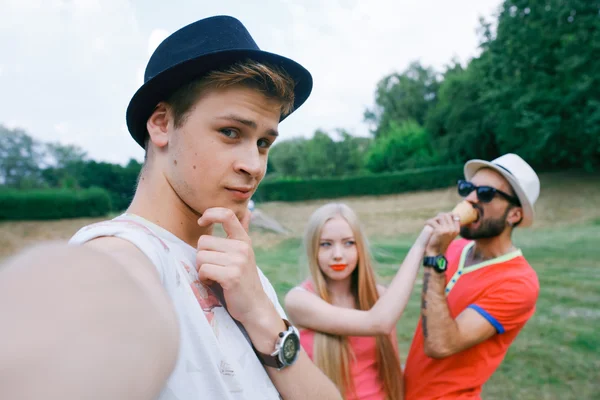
195 50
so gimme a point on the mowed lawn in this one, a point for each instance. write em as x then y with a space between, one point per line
557 355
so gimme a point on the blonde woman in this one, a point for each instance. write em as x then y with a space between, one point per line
346 320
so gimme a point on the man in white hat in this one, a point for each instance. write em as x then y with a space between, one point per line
478 291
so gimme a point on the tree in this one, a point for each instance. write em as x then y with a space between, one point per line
286 156
350 153
63 161
60 155
118 180
460 125
543 81
403 97
404 145
26 163
320 155
19 157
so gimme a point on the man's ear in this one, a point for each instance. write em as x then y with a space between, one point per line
515 215
158 125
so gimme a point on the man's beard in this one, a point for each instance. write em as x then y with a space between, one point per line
489 228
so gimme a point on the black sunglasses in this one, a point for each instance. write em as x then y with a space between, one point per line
485 194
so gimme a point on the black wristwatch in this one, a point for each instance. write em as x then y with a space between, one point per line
286 351
438 263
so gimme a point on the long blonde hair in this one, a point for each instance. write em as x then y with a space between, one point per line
332 353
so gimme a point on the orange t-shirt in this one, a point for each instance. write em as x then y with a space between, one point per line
363 365
504 291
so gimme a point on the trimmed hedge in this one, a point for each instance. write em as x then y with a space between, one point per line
374 184
53 204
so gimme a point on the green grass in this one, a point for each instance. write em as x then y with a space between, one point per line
557 354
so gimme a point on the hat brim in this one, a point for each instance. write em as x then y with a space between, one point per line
472 166
163 85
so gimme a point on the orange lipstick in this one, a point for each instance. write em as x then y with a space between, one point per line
338 267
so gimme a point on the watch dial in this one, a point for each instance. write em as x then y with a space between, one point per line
441 263
290 348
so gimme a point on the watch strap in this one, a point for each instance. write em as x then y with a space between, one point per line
272 360
429 261
434 262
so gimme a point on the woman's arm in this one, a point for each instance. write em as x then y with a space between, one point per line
308 310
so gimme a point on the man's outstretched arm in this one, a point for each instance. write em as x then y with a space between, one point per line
76 323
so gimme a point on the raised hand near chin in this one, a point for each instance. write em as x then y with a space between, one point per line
230 262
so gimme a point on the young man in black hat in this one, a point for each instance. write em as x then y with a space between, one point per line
151 304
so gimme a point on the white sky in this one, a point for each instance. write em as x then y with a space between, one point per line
69 67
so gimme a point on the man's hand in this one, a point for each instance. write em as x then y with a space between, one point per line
230 262
445 228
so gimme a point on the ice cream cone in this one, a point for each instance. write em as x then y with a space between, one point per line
465 211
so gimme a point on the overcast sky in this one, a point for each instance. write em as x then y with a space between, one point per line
69 67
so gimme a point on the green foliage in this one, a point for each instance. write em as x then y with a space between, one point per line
380 184
319 155
459 123
64 155
19 157
53 204
286 156
534 90
543 81
119 181
402 146
403 96
350 153
26 163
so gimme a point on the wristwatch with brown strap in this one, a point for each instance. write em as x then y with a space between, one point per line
287 346
286 351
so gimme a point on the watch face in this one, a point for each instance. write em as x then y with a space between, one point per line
441 263
290 348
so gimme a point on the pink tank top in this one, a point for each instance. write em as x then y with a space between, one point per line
363 369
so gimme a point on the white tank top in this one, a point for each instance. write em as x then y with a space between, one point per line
215 359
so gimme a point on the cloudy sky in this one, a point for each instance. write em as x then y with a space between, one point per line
69 67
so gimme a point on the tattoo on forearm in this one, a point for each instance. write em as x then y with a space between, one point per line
425 287
424 302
